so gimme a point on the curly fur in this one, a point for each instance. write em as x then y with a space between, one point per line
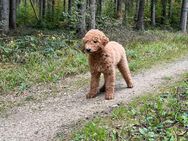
104 56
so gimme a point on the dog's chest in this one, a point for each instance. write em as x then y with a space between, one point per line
101 63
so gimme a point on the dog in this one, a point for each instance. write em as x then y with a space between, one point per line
104 56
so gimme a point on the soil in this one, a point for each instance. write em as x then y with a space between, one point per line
42 120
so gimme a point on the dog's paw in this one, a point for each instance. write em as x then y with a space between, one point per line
109 96
130 85
89 95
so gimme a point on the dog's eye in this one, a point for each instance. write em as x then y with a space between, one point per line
95 41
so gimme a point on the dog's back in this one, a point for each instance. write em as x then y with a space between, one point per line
116 50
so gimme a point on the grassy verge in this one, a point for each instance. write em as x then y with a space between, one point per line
161 116
41 58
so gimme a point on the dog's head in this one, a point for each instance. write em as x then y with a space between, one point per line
94 41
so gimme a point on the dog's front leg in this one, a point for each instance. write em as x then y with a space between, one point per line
109 84
93 85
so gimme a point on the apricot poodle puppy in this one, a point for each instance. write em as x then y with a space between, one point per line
104 57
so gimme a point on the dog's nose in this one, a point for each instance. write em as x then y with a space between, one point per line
88 49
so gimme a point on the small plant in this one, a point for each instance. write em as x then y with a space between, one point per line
44 57
164 117
92 132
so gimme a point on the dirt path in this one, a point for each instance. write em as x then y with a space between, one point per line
41 121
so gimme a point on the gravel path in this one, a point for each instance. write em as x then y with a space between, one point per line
41 121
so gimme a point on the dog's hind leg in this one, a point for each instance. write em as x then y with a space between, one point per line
124 69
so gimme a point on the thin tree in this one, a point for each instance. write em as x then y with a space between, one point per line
170 11
119 9
4 16
70 7
99 8
33 7
153 12
136 10
125 17
81 26
12 14
92 11
164 11
44 8
183 20
53 8
40 9
140 20
64 5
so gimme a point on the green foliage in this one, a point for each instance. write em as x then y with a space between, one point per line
27 60
40 58
59 17
144 53
25 14
162 117
109 9
92 132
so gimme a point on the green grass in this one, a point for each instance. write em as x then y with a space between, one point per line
153 117
40 58
145 54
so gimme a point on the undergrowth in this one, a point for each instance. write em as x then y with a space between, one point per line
41 58
154 117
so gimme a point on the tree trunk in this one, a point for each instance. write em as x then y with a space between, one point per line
140 20
99 7
92 11
64 5
170 9
40 9
153 12
4 16
53 8
44 8
33 7
184 11
70 7
164 15
12 14
119 9
125 18
81 7
136 10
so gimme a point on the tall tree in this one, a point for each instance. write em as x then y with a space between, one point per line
41 9
12 14
4 16
183 20
53 8
140 20
33 7
81 26
44 8
119 9
99 7
153 12
125 17
170 8
93 11
70 7
64 5
164 11
136 10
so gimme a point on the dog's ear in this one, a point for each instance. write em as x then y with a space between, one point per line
105 40
83 39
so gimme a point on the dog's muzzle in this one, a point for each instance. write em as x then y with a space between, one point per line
88 50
